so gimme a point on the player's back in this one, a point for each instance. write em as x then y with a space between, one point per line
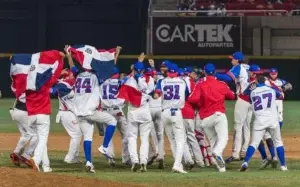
87 94
108 91
263 104
173 92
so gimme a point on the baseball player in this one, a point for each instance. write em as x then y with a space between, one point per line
188 114
66 117
86 101
157 130
210 95
173 90
281 85
136 92
28 133
263 98
112 105
38 104
242 109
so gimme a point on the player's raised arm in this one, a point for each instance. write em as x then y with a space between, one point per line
118 51
158 91
70 60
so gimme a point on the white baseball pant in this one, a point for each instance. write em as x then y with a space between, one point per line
70 123
275 133
86 123
246 133
175 131
157 133
279 104
192 141
139 120
42 123
216 130
122 126
28 134
242 112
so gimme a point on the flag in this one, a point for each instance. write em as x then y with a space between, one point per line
130 92
98 60
32 71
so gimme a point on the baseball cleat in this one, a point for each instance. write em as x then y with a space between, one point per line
76 160
244 167
89 167
15 159
161 164
26 161
201 164
134 167
112 162
178 170
265 163
219 161
143 168
231 159
47 169
105 152
222 170
283 168
274 162
35 167
189 166
150 162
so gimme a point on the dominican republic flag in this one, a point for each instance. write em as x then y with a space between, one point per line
129 92
99 60
32 71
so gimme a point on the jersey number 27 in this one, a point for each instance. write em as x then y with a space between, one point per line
258 101
83 84
171 92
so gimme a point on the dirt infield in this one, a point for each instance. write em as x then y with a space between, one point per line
24 178
60 142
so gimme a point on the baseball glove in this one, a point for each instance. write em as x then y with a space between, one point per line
287 87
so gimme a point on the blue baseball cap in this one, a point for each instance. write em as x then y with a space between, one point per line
149 70
273 71
254 68
180 72
115 70
237 56
173 68
138 66
188 70
165 63
209 69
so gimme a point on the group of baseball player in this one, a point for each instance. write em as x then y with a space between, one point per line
186 104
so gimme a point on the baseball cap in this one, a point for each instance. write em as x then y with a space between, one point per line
180 72
254 68
188 70
165 63
237 56
149 71
209 68
273 71
173 68
138 66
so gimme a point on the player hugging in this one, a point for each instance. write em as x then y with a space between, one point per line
187 104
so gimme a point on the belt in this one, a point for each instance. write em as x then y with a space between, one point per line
109 109
171 109
21 106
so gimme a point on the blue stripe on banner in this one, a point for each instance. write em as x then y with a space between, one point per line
103 69
63 90
42 78
24 59
77 46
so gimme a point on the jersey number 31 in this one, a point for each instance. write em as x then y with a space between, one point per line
171 92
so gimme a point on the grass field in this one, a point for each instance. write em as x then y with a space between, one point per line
207 177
